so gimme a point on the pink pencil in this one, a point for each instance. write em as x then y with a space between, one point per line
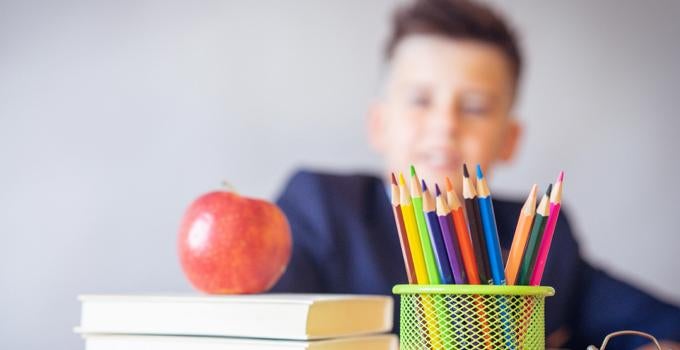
544 248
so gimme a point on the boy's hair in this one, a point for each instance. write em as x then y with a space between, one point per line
456 19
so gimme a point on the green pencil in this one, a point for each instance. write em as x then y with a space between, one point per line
529 258
423 232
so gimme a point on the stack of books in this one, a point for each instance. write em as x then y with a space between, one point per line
252 322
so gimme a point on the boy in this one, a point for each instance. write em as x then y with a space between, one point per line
454 70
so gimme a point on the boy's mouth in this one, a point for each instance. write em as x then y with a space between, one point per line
442 162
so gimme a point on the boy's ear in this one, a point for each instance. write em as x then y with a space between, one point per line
513 134
375 126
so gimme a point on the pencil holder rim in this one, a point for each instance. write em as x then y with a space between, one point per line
478 289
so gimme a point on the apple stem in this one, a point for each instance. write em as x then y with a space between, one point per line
228 187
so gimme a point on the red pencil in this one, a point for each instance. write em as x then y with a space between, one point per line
463 235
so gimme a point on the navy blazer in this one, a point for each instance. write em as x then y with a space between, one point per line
345 241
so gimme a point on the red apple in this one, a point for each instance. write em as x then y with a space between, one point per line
229 244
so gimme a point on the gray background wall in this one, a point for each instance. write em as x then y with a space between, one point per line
114 115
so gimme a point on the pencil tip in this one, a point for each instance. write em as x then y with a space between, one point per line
449 185
436 190
465 171
413 170
424 185
547 192
394 179
401 179
561 176
480 174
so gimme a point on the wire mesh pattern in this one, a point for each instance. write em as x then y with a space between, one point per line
472 321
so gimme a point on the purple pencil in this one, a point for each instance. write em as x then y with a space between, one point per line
446 224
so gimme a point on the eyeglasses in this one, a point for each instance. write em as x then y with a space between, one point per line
616 334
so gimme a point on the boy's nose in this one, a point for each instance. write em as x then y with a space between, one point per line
444 122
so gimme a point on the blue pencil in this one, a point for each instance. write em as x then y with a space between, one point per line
493 245
494 248
440 256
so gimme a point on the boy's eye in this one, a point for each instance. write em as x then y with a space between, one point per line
475 105
475 109
419 99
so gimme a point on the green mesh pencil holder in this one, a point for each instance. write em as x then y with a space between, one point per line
472 316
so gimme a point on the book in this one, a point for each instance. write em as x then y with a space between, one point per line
275 316
156 342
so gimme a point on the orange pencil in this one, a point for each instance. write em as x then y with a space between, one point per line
519 242
462 233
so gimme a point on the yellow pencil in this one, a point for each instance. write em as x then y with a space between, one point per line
412 232
519 242
418 261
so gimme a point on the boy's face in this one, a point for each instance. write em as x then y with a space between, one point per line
445 102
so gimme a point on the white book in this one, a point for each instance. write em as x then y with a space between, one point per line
275 316
155 342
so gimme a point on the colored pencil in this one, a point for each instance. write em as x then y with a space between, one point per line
446 225
412 232
490 230
428 259
529 259
519 240
544 248
494 250
476 230
475 276
428 253
441 257
462 233
401 230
